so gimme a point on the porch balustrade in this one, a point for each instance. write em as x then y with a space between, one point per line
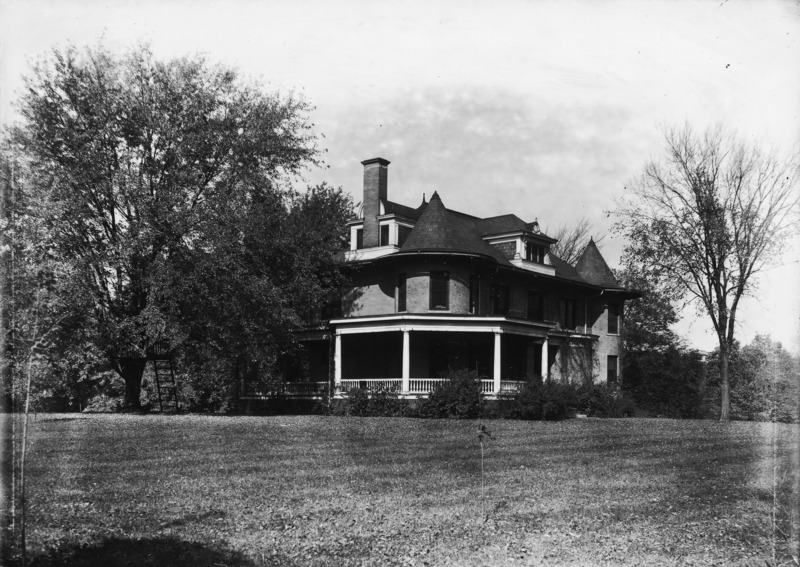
416 386
419 385
373 384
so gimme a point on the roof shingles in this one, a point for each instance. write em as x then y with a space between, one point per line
593 268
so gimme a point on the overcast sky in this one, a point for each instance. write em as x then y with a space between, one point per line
543 109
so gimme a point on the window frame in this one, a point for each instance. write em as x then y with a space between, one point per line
474 294
402 292
497 287
612 370
568 313
541 308
439 283
613 307
534 252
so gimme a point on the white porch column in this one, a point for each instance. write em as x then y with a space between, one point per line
545 362
406 361
337 362
497 361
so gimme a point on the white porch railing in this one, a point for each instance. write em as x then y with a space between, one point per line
373 384
416 386
419 385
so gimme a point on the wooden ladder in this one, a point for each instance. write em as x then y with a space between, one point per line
165 384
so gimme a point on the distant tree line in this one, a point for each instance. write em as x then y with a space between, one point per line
665 377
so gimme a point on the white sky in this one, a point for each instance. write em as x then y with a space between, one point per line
543 109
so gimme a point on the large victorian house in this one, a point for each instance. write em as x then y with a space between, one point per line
432 289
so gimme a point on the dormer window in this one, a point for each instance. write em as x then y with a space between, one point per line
535 252
385 235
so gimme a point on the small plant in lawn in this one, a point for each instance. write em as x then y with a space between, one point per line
483 432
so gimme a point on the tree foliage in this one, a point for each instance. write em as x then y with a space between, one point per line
661 373
764 381
165 191
706 221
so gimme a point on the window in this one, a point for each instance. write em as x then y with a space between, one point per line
474 294
384 235
535 252
500 299
332 308
567 318
440 291
401 292
536 305
402 234
359 238
613 318
612 369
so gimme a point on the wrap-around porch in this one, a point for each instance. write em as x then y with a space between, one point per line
410 354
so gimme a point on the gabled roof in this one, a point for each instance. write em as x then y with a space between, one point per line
501 224
593 268
440 230
393 208
564 269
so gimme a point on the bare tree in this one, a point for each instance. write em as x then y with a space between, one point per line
572 240
707 220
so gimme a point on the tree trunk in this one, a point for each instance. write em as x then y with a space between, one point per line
725 404
131 370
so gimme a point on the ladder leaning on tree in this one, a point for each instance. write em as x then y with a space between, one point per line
164 370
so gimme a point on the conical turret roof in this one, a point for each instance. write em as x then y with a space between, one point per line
440 230
592 267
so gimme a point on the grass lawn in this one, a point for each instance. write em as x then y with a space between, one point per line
210 490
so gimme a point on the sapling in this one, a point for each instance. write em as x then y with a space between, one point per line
483 432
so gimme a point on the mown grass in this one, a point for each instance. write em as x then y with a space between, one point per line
210 490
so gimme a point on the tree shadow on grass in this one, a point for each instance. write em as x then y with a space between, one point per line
153 552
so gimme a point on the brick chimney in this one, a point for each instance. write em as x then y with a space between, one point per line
376 172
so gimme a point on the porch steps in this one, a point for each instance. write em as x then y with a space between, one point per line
166 386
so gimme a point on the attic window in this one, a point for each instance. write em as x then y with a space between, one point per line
384 235
359 238
535 252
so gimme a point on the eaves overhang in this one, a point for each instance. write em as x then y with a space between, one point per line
439 323
452 253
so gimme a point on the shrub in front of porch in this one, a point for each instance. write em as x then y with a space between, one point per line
535 401
361 403
604 400
460 397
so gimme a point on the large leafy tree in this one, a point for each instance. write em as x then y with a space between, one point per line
706 220
157 173
661 373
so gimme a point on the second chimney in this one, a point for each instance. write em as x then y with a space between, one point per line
376 172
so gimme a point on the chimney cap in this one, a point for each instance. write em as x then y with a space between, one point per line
378 160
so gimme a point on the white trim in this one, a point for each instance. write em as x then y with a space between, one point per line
405 322
370 253
533 266
509 236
